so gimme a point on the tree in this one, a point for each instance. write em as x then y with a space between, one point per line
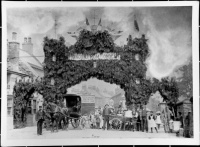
185 82
22 94
169 90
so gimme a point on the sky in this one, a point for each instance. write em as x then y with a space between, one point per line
168 30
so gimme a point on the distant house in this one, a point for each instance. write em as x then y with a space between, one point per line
21 63
100 98
119 99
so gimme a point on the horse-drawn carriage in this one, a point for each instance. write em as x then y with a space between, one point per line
73 103
70 112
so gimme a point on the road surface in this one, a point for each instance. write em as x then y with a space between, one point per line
30 133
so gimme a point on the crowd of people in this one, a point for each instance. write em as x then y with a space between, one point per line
132 119
135 119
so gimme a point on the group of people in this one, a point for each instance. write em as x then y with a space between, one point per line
140 120
98 119
132 119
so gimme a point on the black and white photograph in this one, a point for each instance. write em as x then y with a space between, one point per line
100 73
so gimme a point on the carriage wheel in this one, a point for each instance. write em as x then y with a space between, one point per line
75 123
116 124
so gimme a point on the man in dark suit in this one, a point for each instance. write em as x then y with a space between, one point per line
106 113
144 125
39 118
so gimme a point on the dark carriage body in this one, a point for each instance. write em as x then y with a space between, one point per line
77 106
86 104
73 103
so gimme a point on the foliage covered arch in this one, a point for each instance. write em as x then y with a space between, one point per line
61 73
129 72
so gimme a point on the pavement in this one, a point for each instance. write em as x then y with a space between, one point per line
30 133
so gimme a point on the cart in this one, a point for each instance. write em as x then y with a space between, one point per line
73 103
116 121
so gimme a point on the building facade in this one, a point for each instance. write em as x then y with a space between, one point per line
22 64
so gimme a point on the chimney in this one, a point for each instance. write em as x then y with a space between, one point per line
13 52
25 39
14 36
27 46
29 39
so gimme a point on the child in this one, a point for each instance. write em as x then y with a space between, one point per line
98 121
83 121
152 123
101 121
171 125
158 120
93 120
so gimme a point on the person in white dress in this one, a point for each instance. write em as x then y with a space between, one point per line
158 120
152 123
101 121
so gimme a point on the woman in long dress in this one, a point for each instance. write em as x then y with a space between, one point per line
101 118
152 123
158 120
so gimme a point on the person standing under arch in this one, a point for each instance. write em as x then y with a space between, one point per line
106 113
152 123
158 120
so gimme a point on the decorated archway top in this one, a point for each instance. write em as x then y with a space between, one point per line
92 44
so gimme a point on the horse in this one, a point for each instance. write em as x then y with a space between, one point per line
57 116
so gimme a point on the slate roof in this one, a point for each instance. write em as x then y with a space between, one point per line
28 64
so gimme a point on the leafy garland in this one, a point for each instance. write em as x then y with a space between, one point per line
91 43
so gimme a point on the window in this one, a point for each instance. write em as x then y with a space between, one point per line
29 103
29 110
9 110
9 103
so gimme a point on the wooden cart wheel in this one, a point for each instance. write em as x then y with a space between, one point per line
75 122
116 124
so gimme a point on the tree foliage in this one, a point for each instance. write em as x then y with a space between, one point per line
168 89
185 82
22 93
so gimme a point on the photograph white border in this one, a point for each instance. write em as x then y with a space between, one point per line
116 141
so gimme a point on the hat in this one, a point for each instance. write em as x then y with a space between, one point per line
158 112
